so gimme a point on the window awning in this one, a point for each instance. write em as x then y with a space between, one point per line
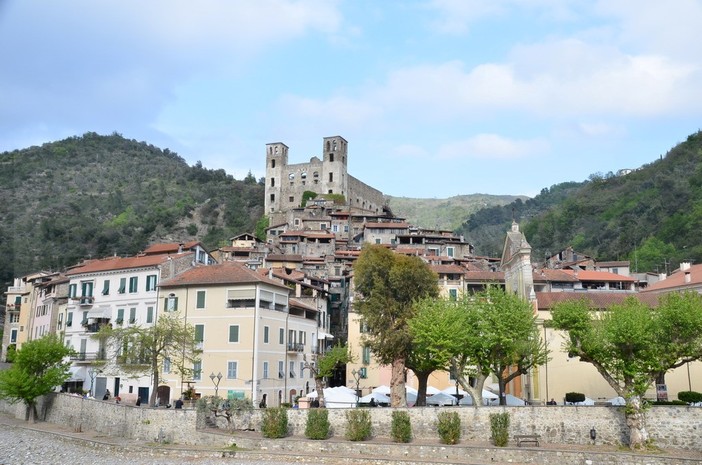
322 335
100 312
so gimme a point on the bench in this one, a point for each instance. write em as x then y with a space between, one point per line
527 438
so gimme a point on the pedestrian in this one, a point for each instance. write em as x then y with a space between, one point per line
107 395
118 399
179 403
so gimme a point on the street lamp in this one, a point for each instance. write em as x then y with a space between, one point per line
218 377
357 376
93 374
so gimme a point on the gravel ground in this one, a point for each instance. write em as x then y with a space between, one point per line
20 446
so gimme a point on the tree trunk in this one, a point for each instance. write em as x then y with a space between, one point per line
422 381
32 413
476 392
636 421
154 389
319 387
398 394
503 396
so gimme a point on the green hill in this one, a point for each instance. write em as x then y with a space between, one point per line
94 196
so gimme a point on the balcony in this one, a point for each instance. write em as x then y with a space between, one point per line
88 356
86 301
296 347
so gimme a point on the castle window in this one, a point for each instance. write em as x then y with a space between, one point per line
272 197
291 176
272 163
331 157
330 191
315 174
334 145
272 182
291 199
303 175
331 177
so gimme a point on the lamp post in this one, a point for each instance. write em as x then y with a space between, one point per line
93 374
218 377
357 376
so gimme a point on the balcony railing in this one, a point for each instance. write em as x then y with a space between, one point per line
85 301
89 356
296 347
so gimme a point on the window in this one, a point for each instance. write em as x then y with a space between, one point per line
197 370
323 226
331 176
199 333
265 370
72 291
86 289
132 316
151 282
272 182
346 228
149 314
292 369
69 320
233 333
291 199
453 294
366 358
335 228
281 369
363 327
120 316
122 285
291 336
331 158
272 197
449 251
302 337
84 321
106 287
377 241
133 284
166 365
302 369
272 163
266 331
231 370
170 304
281 336
13 336
60 321
200 299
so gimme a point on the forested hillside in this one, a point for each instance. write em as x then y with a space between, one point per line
651 217
94 196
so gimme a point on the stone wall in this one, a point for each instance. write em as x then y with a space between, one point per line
670 427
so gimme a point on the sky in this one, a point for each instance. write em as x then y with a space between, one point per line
436 97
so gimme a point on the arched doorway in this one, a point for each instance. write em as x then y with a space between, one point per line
163 395
293 394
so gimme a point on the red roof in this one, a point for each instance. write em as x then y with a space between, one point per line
596 300
550 275
119 263
225 273
170 248
448 269
586 275
677 280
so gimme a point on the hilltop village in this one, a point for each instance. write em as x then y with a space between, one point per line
262 309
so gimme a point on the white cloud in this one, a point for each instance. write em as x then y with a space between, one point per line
492 146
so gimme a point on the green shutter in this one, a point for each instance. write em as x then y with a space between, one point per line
234 333
200 299
199 333
106 287
122 285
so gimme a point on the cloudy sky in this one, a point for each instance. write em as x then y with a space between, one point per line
436 97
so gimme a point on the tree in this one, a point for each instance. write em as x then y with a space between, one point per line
40 366
631 344
510 335
142 351
388 285
325 366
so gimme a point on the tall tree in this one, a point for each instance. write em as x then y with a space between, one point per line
388 285
142 351
325 366
40 366
631 344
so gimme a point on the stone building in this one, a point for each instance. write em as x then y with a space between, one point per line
286 183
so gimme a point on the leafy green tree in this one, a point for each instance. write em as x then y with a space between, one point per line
388 285
652 254
631 344
261 226
326 364
40 366
141 351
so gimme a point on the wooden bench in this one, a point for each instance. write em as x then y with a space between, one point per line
527 439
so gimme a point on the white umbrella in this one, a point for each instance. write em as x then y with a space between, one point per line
378 398
514 401
441 399
619 400
489 398
431 390
587 401
451 390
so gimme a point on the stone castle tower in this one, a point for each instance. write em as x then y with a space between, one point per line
286 183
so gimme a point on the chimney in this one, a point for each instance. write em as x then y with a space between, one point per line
687 277
180 248
684 266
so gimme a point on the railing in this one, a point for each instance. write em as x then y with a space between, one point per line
89 356
85 301
296 347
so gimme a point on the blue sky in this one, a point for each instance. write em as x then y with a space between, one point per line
436 97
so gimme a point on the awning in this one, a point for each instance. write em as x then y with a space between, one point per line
323 335
100 312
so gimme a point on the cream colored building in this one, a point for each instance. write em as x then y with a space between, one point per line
251 333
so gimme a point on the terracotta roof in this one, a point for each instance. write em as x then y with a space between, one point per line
587 275
677 280
169 248
299 304
225 273
547 300
613 263
550 275
120 263
496 276
238 249
448 269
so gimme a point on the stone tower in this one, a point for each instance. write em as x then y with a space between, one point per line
276 163
334 166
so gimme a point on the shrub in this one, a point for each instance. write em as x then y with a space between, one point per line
499 427
317 426
275 423
358 425
401 429
573 397
449 427
691 397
